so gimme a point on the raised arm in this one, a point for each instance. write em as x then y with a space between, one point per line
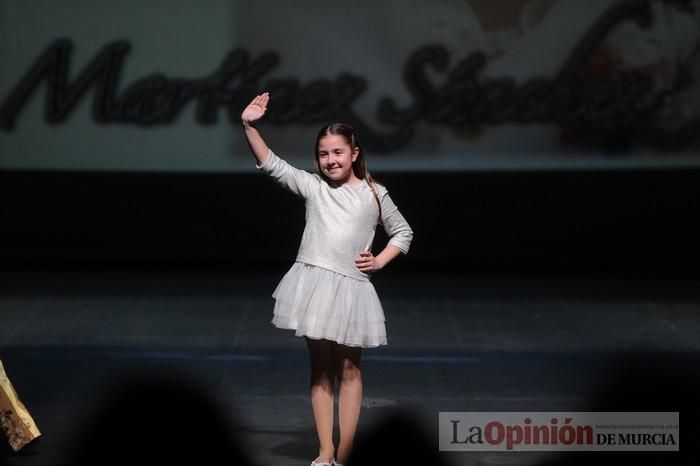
252 114
300 182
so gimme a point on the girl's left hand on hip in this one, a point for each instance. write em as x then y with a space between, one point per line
366 262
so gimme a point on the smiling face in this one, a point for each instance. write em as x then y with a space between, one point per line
335 158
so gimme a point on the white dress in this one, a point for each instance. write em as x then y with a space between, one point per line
320 303
324 295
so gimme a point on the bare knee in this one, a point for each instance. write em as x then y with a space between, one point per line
349 371
322 379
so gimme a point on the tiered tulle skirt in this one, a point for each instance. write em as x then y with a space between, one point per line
322 304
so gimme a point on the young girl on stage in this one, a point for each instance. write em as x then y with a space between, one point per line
327 296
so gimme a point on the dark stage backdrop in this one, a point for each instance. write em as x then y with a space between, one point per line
518 132
619 218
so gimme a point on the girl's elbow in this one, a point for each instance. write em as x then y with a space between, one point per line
404 241
408 235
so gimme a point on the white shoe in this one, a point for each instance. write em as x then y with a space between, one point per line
331 463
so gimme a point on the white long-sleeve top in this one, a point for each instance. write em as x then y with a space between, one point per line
340 220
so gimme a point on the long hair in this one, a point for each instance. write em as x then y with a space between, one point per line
359 166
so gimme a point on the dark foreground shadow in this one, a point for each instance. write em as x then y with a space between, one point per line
158 420
398 439
653 382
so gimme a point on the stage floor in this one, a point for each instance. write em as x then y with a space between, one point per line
489 340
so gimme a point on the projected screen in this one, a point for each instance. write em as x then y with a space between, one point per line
454 85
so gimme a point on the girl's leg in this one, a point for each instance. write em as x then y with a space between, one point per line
322 378
347 363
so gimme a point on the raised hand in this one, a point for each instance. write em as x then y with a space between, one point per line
256 108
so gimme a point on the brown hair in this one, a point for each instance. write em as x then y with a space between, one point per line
359 166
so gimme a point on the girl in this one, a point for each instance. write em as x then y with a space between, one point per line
326 296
